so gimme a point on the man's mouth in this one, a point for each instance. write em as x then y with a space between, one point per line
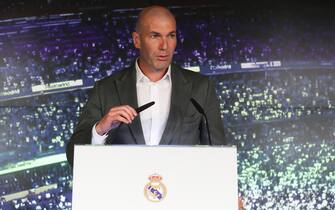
162 57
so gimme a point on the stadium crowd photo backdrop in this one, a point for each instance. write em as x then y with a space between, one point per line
275 79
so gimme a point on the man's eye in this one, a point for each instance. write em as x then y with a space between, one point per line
172 35
153 36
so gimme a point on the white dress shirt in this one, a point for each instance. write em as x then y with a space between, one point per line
153 119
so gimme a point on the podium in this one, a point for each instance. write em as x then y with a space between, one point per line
136 177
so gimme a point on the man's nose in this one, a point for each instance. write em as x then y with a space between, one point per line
164 44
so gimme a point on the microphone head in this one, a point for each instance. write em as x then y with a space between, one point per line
197 106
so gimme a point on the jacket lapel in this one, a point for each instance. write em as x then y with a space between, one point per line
180 96
126 88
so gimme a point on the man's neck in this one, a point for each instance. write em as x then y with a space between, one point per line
153 75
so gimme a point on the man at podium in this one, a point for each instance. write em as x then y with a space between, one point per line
110 115
182 99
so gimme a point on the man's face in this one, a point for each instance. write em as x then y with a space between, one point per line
156 41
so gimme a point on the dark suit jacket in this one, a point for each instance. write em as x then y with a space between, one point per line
185 126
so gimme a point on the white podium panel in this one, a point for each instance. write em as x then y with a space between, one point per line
155 178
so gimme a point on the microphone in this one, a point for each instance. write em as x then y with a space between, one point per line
144 107
201 111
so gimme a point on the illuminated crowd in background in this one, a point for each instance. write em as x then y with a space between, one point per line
287 164
283 125
278 95
58 196
281 121
35 178
38 126
87 46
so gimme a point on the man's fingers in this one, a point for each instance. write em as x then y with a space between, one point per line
132 113
121 109
121 119
123 113
115 116
132 110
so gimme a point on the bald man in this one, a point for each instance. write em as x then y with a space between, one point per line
109 116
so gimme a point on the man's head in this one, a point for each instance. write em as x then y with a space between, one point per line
155 37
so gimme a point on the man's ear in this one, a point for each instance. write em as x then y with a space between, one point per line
136 40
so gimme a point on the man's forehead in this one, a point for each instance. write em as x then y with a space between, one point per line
156 16
158 20
163 27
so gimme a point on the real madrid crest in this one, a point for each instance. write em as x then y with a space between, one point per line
155 190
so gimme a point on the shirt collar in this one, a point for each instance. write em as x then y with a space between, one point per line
140 77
